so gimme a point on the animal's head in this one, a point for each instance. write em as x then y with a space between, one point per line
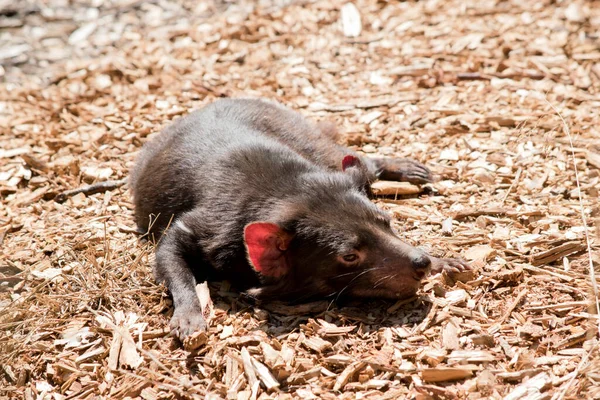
332 241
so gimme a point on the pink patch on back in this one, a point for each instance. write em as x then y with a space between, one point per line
350 161
266 244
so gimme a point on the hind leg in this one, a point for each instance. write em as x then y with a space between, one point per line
328 130
391 169
401 169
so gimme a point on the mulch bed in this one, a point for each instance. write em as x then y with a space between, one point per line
499 98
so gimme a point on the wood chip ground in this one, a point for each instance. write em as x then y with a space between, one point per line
500 98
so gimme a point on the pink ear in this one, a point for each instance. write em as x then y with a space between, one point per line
266 243
350 161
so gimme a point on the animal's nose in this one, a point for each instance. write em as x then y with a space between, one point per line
421 265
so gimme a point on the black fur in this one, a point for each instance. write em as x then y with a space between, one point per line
238 161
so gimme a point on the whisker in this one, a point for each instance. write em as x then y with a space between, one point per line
356 272
350 283
382 279
330 303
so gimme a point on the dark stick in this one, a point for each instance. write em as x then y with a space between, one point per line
90 189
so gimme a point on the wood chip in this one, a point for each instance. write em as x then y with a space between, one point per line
548 256
388 188
265 375
479 255
593 159
531 389
129 356
270 354
317 344
445 374
351 23
470 356
195 341
208 308
450 334
32 197
115 350
347 374
248 367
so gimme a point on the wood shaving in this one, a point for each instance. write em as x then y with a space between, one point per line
490 95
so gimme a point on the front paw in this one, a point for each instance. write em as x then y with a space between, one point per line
187 321
450 265
405 170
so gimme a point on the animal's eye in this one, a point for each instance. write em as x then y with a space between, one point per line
350 257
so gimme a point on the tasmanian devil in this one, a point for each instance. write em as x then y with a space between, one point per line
255 193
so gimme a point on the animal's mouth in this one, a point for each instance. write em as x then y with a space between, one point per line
419 275
407 294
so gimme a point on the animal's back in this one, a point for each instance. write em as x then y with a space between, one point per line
163 179
314 142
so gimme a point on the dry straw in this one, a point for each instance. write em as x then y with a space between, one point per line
463 86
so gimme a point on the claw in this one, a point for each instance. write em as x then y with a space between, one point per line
404 170
450 265
185 322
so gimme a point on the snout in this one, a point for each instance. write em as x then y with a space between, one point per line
409 261
414 262
421 264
